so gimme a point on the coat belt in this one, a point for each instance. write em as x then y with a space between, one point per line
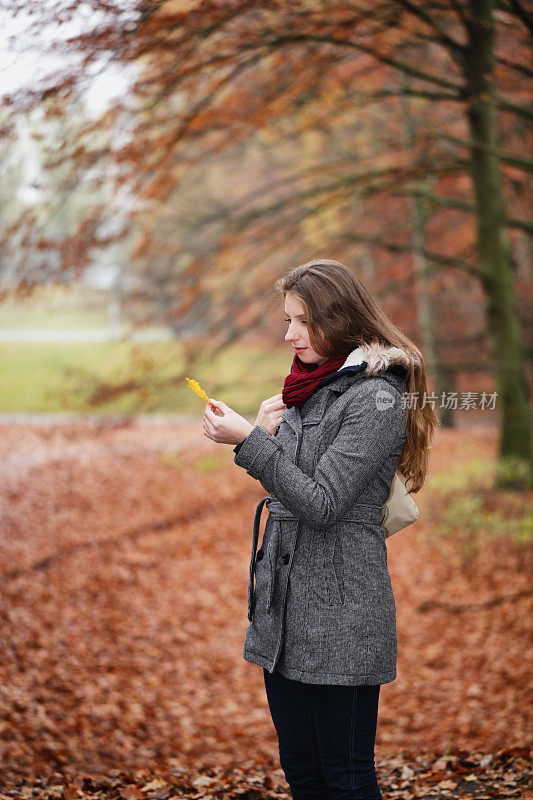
255 538
359 513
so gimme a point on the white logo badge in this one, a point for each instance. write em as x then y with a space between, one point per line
384 399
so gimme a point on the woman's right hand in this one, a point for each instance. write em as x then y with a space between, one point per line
270 414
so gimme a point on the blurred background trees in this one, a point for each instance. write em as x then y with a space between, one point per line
252 136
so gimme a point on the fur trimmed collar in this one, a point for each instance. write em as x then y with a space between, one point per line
378 358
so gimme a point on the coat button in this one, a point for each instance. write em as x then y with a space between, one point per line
286 558
259 555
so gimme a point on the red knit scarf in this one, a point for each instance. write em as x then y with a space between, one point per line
303 379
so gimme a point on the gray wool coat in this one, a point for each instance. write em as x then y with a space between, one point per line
321 607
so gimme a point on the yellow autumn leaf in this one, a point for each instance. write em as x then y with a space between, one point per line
195 386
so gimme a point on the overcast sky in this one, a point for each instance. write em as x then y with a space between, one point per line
24 61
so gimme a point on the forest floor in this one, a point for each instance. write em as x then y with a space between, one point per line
124 562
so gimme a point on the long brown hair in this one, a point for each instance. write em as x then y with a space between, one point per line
342 315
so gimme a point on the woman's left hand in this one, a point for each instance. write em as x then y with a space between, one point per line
227 428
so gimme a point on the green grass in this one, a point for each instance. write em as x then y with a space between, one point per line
476 471
171 460
468 511
209 463
56 376
53 377
56 307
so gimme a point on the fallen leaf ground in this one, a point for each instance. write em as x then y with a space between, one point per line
124 561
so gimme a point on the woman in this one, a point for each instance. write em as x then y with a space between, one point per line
322 614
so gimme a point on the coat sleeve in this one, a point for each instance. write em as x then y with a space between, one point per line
368 435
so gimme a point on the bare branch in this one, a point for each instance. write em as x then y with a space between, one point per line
456 48
506 158
460 205
437 258
408 69
522 14
521 111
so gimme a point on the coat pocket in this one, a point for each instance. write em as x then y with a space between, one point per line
327 576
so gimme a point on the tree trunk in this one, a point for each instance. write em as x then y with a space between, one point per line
494 250
425 313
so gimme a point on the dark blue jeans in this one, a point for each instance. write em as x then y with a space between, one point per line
326 738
